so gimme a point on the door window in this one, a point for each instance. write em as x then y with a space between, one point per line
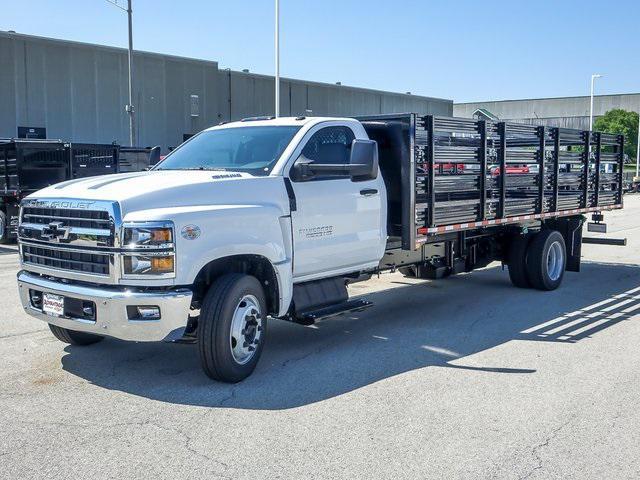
330 145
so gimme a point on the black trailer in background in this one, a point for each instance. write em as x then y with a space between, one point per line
28 165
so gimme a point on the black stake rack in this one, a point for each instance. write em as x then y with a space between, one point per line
469 171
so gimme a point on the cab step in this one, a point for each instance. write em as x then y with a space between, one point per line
312 316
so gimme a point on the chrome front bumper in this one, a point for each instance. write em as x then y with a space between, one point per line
111 318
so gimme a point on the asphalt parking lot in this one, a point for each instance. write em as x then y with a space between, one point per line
462 378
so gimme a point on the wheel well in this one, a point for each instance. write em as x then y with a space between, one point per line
254 265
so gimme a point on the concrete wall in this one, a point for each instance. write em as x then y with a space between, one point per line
570 112
78 91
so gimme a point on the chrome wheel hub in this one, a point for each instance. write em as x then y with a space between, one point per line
555 261
246 329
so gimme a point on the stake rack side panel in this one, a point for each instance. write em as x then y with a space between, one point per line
472 173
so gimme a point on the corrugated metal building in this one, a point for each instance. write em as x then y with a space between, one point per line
569 112
78 91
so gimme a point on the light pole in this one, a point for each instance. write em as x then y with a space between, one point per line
593 78
638 150
129 107
277 52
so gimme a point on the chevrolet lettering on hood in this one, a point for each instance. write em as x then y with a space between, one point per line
71 204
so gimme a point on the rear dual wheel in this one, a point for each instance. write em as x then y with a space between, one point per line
537 260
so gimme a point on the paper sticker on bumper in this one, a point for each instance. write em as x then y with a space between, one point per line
53 304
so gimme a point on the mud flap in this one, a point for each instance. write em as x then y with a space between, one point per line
571 230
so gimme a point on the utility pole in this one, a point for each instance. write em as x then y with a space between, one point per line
277 52
129 107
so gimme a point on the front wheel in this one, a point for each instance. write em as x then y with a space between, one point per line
232 327
73 337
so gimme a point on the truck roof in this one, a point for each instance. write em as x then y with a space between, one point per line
280 121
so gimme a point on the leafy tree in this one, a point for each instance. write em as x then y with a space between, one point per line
624 122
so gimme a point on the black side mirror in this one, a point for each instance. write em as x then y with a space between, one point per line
301 170
363 164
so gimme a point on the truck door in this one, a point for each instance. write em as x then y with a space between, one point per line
339 225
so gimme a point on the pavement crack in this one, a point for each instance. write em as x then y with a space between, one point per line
188 440
231 396
536 449
22 334
303 357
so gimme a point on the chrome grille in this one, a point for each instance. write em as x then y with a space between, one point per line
71 218
65 226
69 238
64 259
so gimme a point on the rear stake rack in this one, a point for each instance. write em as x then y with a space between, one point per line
471 174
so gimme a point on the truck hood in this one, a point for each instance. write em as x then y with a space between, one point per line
171 188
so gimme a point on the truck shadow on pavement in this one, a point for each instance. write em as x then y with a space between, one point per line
411 327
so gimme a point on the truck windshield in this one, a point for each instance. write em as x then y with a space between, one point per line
254 150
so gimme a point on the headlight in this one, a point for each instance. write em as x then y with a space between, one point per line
148 264
148 250
135 237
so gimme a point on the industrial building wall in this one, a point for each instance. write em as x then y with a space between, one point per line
570 112
253 94
78 92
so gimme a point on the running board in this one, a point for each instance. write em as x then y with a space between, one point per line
619 242
310 317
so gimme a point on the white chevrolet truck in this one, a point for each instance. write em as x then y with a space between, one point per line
273 218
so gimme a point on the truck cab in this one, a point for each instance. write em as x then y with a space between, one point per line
249 208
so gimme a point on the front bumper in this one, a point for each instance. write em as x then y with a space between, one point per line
111 318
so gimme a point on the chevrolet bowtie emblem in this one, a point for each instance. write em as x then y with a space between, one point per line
55 232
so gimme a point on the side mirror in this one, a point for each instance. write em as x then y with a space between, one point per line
363 164
301 170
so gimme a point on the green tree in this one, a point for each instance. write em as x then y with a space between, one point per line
624 122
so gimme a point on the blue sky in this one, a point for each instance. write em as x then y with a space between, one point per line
464 50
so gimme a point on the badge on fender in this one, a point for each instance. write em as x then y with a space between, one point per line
190 232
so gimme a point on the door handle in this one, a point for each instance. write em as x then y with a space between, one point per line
368 191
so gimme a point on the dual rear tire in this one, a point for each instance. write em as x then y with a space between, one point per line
537 260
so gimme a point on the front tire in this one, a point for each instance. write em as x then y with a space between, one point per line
232 327
546 260
72 337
